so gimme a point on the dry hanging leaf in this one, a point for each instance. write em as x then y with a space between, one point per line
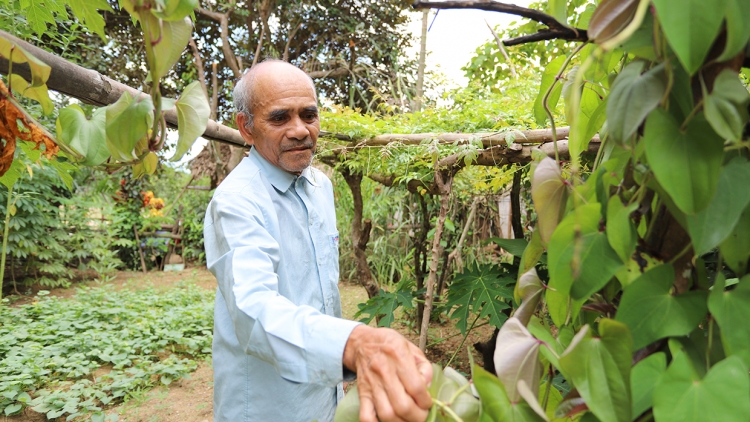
10 117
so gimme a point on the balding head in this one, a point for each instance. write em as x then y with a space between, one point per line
245 93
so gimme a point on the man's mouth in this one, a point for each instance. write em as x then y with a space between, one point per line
303 147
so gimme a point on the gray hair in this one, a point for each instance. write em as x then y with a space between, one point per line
243 92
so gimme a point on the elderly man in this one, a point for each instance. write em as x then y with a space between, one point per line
281 350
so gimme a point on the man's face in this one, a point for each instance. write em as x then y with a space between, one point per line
286 124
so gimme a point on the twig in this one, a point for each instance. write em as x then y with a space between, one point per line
557 30
499 42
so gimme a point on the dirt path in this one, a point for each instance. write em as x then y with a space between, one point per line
191 399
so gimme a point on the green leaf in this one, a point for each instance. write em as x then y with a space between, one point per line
731 309
128 121
479 290
559 10
548 77
600 370
652 313
686 163
711 226
515 247
12 174
192 118
633 97
691 27
549 193
726 106
517 358
150 162
681 396
738 28
736 248
87 11
39 70
38 16
169 47
87 137
620 229
644 377
495 403
39 93
176 9
13 408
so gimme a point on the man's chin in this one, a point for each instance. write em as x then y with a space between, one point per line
296 161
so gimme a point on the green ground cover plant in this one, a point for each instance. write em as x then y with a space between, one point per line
69 357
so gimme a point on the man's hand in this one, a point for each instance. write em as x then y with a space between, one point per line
392 375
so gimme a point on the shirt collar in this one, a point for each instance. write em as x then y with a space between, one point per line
280 179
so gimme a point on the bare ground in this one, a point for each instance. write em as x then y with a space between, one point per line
190 399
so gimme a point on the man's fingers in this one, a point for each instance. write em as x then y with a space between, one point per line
367 410
424 366
388 405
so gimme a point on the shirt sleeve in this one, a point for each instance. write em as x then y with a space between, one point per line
303 344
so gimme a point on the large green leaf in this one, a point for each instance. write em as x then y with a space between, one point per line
479 290
175 10
726 106
548 77
39 93
514 247
495 403
128 121
170 45
691 27
87 11
731 309
620 229
549 193
738 28
347 409
653 313
736 248
600 370
517 358
633 97
533 253
686 163
711 226
644 377
87 137
682 396
192 118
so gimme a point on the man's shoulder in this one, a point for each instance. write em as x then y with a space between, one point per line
244 179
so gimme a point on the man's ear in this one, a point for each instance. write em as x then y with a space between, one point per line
242 120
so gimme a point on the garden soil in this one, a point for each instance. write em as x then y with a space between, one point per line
190 399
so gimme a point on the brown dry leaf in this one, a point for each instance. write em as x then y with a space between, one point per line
10 115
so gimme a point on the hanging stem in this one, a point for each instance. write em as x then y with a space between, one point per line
462 341
5 238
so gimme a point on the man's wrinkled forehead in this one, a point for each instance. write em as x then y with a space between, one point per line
270 78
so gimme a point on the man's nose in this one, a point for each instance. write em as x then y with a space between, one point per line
297 129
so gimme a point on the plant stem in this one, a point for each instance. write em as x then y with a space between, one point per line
462 341
550 375
549 91
710 343
5 238
458 392
447 409
692 114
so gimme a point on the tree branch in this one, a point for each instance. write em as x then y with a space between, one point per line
502 50
223 19
557 30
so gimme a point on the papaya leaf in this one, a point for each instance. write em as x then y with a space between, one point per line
691 26
653 313
192 118
686 163
711 226
87 11
722 395
480 290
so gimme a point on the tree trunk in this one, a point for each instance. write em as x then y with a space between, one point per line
360 234
445 182
420 254
515 205
422 59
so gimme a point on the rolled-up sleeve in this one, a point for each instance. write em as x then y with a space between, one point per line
303 344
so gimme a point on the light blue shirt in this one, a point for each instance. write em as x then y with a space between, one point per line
271 241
